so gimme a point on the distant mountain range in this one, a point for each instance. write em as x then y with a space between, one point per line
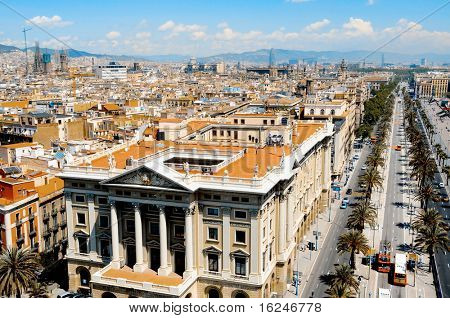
262 56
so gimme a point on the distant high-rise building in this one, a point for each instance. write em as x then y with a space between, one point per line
63 61
272 58
423 62
46 61
37 65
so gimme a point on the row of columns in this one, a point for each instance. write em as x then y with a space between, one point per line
163 248
286 219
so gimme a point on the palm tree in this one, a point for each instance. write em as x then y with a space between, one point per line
340 291
363 213
372 179
432 239
353 242
446 170
18 270
37 290
424 168
429 218
424 195
374 160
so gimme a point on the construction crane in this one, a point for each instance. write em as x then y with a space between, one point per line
74 75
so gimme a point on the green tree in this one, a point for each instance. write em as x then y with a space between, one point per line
352 242
363 213
18 271
432 239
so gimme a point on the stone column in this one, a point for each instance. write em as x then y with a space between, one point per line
254 247
70 224
139 266
163 269
226 270
115 263
188 232
290 216
282 225
92 221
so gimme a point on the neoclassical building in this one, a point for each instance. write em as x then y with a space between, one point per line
196 217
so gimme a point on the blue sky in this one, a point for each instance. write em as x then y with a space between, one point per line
202 27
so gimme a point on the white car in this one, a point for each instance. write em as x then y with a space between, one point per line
441 185
363 167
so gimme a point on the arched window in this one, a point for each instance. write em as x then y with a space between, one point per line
239 294
322 111
85 276
311 111
333 112
213 292
108 295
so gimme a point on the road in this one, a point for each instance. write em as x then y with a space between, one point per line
395 213
442 258
328 254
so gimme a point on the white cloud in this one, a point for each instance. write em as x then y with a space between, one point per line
143 23
143 35
370 2
222 25
198 35
166 26
317 25
44 21
53 43
113 35
229 34
357 27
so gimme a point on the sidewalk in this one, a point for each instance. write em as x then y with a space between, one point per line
308 258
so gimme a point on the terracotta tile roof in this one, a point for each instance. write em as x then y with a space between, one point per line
144 277
53 185
196 125
20 145
304 131
111 107
15 104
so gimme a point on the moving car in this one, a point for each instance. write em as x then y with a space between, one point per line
343 205
363 167
398 148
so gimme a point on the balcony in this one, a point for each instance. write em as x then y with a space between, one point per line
46 216
55 227
62 209
63 224
20 239
32 232
147 281
31 217
46 232
35 248
54 212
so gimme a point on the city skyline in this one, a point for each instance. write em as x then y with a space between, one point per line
164 28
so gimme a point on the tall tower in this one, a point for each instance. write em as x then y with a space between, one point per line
46 60
342 73
63 61
272 58
37 65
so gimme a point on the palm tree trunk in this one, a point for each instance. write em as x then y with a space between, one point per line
352 259
431 254
426 205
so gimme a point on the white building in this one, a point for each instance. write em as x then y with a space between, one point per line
112 71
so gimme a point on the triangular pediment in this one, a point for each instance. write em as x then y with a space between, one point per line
240 252
212 249
146 177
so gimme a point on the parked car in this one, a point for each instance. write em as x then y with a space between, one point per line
349 191
346 200
356 157
444 198
363 167
441 185
343 205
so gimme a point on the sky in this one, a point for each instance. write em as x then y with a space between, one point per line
208 27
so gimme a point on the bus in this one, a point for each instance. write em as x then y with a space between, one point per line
384 257
400 270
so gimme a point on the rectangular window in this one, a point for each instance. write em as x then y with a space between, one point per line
235 134
212 211
178 197
104 248
30 210
213 262
179 231
214 133
104 221
127 193
207 196
216 197
213 233
272 122
235 199
169 197
240 237
102 200
245 199
80 198
82 245
81 219
238 214
119 192
130 225
154 228
264 232
236 121
240 266
242 121
265 122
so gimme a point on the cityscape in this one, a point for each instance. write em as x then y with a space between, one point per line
162 150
